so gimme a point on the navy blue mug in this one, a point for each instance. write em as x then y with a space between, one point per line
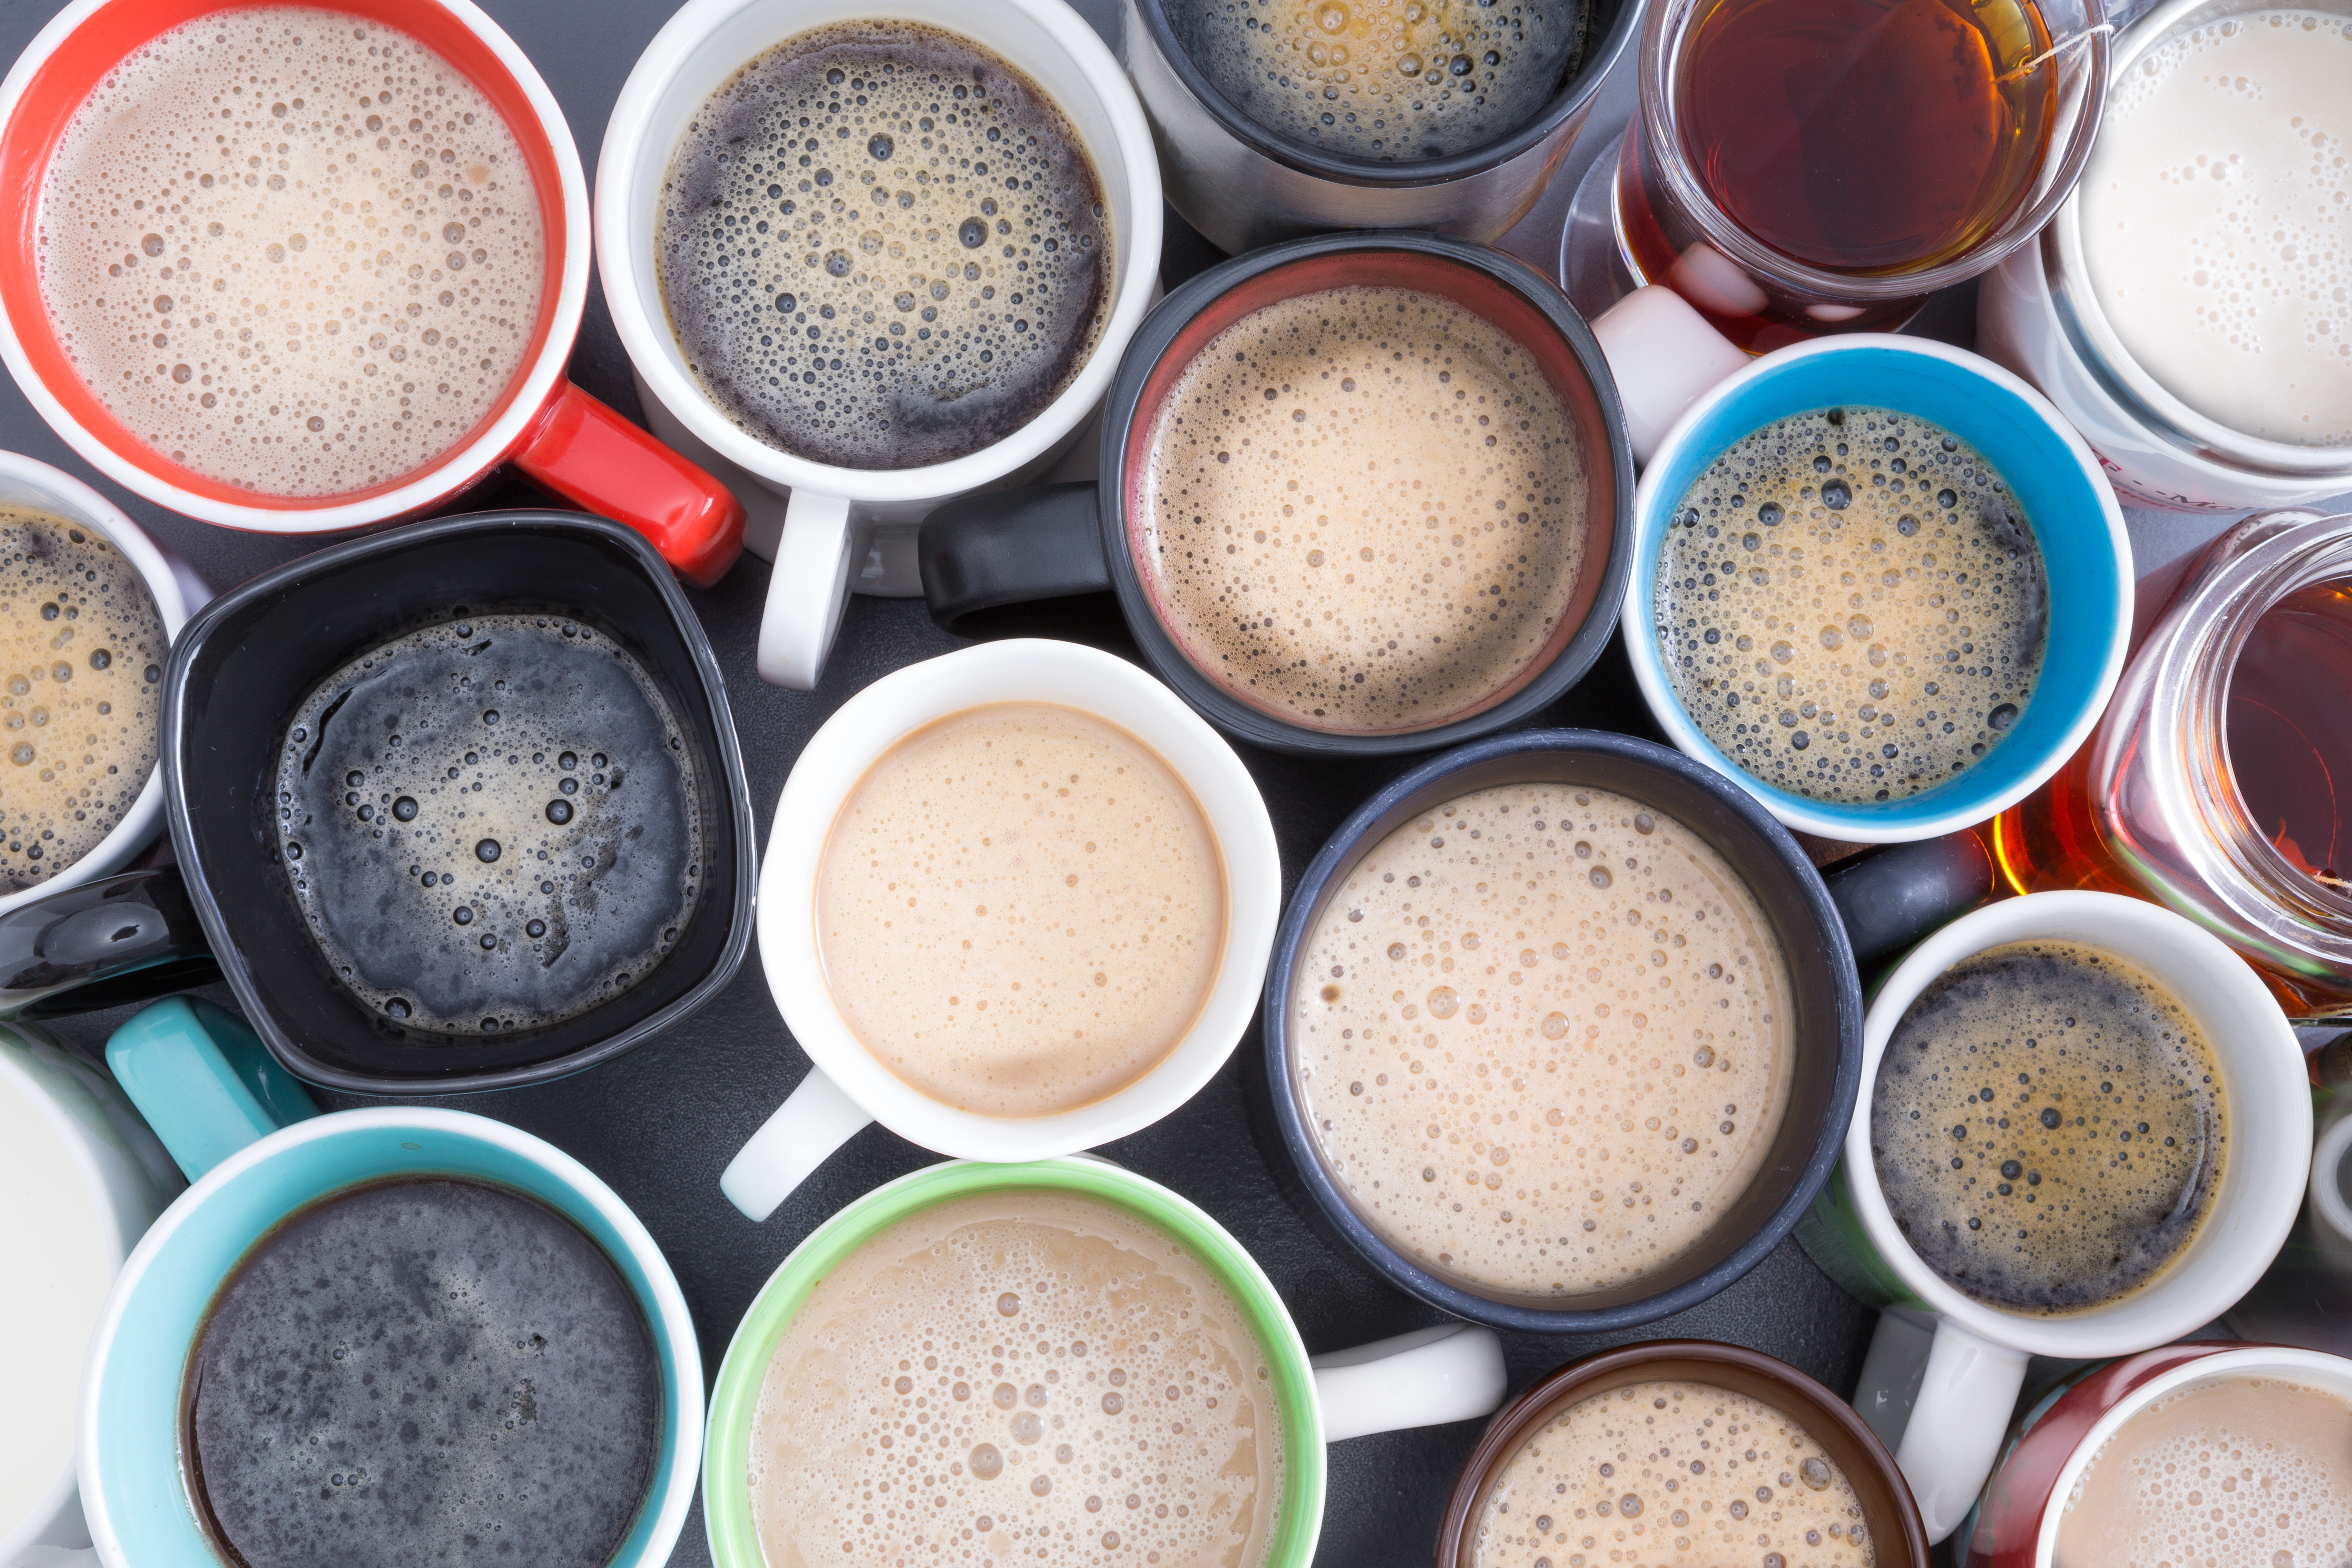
1814 1013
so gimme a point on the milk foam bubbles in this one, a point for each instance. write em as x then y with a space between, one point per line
2214 221
1544 1038
293 252
1018 1375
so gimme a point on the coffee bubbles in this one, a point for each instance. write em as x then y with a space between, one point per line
491 824
882 246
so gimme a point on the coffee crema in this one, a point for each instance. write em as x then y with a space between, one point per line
1545 1040
1363 511
1020 909
294 252
490 824
881 247
1671 1474
2234 1471
81 678
2049 1127
1018 1373
1851 604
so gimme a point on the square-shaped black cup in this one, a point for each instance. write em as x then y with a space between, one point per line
243 664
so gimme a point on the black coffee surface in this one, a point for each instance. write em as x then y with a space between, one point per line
490 824
882 246
421 1373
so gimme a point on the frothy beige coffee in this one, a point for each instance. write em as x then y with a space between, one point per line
1543 1039
2241 1470
293 251
1015 1376
1671 1474
1364 510
1021 909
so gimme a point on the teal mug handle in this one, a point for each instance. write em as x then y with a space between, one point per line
204 1081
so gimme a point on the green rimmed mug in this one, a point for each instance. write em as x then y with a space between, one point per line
1453 1373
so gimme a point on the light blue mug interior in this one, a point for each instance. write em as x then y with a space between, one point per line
2089 577
131 1448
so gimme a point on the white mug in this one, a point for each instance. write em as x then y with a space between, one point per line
849 1087
1976 1362
832 515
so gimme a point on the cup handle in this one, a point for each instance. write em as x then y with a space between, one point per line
814 1120
203 1082
1451 1372
986 558
601 463
807 588
1957 1420
1896 898
126 938
1664 354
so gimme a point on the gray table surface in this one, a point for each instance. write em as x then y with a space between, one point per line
660 1124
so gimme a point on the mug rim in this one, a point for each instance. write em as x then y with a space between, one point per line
726 1506
1152 343
1864 823
625 256
865 729
2197 1296
681 1367
563 226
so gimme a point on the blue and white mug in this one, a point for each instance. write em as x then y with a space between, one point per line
257 1150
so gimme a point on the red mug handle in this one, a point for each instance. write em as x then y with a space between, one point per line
600 462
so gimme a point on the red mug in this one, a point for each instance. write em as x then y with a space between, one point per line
560 437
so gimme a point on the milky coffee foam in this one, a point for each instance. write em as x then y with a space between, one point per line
293 252
2213 221
1021 909
1671 1474
2239 1472
1852 605
1364 510
81 678
1018 1376
1544 1038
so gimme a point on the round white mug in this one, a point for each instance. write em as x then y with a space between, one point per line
849 1087
1976 1362
833 515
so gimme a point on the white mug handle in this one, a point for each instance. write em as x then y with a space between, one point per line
814 1120
807 588
1663 354
1425 1378
1958 1421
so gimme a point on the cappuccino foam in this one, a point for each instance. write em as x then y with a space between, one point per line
1544 1038
293 252
1363 511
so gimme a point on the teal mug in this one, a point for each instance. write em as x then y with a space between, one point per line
257 1150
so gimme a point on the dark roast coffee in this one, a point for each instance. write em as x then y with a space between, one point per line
423 1373
491 824
882 246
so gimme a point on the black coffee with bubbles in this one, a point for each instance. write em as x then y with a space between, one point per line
490 824
882 246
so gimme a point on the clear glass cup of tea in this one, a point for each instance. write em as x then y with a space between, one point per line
1798 167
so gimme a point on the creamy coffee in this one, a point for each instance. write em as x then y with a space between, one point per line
2049 1127
2213 221
1363 510
1852 604
1671 1474
1021 909
295 252
1544 1038
81 681
2239 1470
1018 1375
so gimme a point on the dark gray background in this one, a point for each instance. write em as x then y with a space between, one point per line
661 1123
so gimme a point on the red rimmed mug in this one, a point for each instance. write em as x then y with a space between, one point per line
560 437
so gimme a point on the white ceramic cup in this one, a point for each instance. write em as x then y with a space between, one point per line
831 520
848 1087
179 592
81 1178
1976 1362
